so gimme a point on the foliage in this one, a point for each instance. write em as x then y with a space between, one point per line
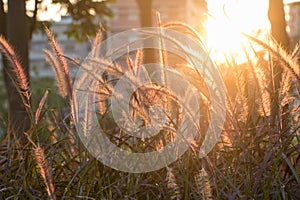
87 15
253 160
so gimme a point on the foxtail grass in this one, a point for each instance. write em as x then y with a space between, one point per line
61 59
21 79
253 160
45 172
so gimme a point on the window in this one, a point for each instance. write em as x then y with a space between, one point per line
291 17
132 14
164 12
69 47
116 13
290 29
131 38
37 46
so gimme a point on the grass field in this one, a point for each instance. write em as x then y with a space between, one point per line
257 157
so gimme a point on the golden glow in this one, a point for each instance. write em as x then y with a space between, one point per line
49 11
228 20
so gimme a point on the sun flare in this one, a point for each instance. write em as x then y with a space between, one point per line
228 19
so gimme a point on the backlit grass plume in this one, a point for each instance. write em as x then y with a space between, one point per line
61 59
288 62
21 78
253 159
59 73
45 171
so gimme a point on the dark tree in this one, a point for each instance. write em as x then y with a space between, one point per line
14 27
278 24
278 32
145 8
145 12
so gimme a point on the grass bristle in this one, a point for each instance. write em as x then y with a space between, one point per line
202 185
45 172
61 60
21 78
174 192
254 158
59 74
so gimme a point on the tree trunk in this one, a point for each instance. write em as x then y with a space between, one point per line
145 10
2 19
278 24
278 32
17 35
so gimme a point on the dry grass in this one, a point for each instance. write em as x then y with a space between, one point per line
253 160
45 172
20 78
59 74
61 60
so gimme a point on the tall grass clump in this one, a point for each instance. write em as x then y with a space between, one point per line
255 158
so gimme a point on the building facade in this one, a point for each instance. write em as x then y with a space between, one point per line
189 11
293 22
69 46
126 16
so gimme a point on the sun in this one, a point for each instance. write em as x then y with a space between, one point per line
228 20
